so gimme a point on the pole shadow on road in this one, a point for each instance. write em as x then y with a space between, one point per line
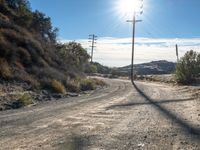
190 129
74 142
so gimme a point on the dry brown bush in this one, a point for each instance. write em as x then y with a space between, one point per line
72 86
57 86
19 66
32 81
98 82
24 55
5 69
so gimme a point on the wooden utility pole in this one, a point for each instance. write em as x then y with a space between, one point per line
134 21
93 39
177 53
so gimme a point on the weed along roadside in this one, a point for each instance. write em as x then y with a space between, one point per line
19 95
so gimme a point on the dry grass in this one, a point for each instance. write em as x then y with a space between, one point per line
31 80
24 55
83 84
5 69
72 86
98 82
158 78
87 84
57 86
19 66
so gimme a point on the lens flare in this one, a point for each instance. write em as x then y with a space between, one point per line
128 7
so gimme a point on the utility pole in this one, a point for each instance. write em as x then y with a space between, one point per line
177 53
134 21
93 39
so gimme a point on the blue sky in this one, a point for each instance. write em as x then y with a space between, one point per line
162 19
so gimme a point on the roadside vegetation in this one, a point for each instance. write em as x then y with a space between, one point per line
25 99
187 71
188 68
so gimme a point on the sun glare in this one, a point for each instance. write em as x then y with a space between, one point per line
128 7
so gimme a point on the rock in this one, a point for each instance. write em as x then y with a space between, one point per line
13 105
141 145
174 134
45 92
57 96
1 108
72 94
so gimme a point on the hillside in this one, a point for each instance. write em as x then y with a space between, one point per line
28 47
32 59
154 67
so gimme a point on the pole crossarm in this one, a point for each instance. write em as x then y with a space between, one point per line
136 21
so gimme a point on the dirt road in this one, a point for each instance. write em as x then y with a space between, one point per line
118 117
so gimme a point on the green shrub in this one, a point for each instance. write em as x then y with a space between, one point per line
79 84
90 68
87 84
98 82
188 68
57 86
25 99
73 86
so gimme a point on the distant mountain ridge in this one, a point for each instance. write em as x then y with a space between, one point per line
154 67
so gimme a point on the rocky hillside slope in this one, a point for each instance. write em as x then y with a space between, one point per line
31 58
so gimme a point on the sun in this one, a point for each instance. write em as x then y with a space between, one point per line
127 7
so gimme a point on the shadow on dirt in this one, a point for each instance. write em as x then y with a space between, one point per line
149 103
189 128
74 142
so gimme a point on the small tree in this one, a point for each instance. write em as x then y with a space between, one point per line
90 68
188 68
15 4
73 54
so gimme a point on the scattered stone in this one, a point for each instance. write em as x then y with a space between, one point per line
61 142
141 145
174 134
72 94
57 96
45 92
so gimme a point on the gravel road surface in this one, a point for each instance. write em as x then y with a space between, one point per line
118 117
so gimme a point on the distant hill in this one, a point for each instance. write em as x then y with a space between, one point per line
102 69
154 67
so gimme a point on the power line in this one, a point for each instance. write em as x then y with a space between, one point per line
93 39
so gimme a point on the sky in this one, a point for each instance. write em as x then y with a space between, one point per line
164 24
